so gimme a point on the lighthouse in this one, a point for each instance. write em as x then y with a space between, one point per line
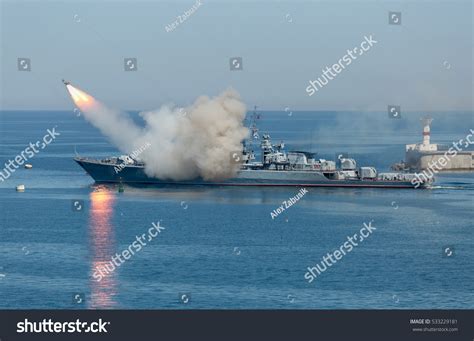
426 121
426 145
422 156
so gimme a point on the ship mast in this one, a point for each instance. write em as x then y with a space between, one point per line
253 123
248 145
254 132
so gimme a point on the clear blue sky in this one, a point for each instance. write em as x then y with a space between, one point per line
423 64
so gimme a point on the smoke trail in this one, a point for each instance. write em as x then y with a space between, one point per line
117 126
183 144
114 124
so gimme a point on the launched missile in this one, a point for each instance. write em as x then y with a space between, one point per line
81 99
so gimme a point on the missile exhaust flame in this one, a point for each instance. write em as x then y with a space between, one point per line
80 98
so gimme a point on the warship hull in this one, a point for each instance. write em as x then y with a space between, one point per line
135 174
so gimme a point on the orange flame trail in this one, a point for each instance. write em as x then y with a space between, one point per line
82 100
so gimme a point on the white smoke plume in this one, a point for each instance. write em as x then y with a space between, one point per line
184 143
114 124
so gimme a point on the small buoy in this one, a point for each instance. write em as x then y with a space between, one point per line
20 188
120 189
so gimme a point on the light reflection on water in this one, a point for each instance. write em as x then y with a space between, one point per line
102 241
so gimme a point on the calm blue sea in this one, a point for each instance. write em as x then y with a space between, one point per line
220 247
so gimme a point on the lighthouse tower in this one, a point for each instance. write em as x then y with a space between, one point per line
427 145
426 121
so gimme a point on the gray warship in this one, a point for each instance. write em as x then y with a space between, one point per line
276 167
